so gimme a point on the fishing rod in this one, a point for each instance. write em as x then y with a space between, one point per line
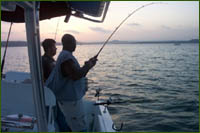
4 56
56 29
120 26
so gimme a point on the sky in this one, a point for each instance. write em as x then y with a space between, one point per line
172 20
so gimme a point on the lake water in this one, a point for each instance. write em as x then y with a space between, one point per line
158 84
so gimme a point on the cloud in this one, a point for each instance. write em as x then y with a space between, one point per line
134 24
165 27
99 29
72 31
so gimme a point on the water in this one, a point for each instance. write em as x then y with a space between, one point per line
157 83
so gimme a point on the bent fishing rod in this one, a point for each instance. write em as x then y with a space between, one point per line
120 26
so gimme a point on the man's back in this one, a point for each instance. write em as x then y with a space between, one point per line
48 64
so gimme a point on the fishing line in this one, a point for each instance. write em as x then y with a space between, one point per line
56 29
121 24
4 56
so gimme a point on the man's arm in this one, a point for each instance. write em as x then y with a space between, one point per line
68 68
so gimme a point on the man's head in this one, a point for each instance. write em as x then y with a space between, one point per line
49 46
69 42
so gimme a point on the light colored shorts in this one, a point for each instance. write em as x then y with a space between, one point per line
74 113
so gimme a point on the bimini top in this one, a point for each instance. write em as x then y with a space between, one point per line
11 12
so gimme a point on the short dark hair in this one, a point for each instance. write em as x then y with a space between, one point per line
47 43
68 39
69 42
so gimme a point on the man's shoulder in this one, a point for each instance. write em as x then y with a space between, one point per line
65 55
45 58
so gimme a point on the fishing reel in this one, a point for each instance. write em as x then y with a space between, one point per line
110 101
98 93
105 103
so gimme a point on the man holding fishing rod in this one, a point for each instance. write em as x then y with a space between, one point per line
68 83
67 80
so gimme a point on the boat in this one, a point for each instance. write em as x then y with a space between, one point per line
26 104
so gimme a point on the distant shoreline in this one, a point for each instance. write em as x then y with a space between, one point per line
23 43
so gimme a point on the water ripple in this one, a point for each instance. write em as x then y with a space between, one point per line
157 85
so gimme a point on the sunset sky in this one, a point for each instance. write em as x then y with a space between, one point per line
172 21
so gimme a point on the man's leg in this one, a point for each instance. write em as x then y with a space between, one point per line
74 113
63 127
